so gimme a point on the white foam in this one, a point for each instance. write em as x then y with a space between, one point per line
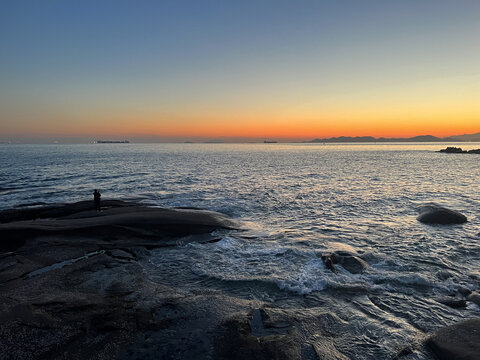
311 277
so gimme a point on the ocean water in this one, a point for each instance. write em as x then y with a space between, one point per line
295 202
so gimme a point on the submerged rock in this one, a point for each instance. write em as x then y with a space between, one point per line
352 263
459 341
436 214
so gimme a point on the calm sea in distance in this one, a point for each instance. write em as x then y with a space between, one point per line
295 201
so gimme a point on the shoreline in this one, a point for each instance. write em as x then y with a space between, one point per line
73 285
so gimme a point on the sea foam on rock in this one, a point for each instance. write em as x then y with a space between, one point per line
435 214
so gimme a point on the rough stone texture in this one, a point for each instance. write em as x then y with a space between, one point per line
436 214
234 340
457 342
72 283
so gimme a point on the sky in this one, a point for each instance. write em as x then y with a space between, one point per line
240 69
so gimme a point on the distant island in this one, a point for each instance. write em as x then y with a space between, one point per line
421 138
457 150
112 142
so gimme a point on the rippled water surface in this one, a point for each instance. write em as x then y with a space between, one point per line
296 201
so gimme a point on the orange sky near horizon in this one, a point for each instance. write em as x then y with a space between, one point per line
240 70
277 128
287 121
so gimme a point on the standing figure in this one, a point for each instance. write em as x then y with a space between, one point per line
96 199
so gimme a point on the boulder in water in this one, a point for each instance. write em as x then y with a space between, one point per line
436 214
459 341
352 263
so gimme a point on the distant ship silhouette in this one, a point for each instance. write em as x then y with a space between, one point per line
112 142
270 142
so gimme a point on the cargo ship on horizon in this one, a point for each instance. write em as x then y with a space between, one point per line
112 142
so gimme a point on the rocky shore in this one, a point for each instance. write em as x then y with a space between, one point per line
73 286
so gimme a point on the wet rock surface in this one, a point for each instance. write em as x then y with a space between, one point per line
126 224
350 262
436 214
459 341
85 294
72 283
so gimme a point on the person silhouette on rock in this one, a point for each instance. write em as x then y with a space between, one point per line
96 199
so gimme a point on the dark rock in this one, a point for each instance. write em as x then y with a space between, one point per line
352 263
75 286
474 297
456 150
453 150
127 225
263 324
56 210
459 341
453 302
464 291
436 214
234 340
121 254
329 261
404 352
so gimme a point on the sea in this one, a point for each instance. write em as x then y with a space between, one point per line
294 202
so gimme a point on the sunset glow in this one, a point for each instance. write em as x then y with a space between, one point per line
277 70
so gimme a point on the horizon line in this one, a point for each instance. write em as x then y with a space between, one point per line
82 138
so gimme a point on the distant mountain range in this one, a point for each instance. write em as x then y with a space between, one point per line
421 138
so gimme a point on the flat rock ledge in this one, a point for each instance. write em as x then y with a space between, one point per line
124 223
435 214
459 341
73 285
